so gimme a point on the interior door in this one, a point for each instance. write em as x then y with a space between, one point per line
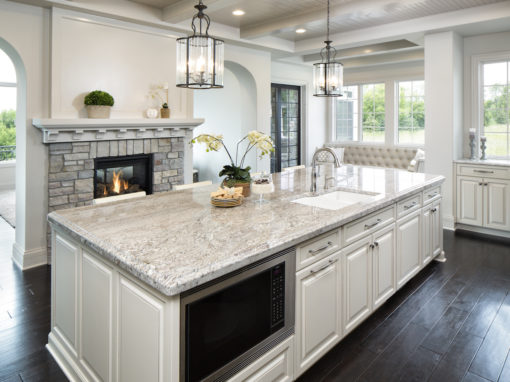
285 126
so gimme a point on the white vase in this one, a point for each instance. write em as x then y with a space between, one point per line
151 113
98 111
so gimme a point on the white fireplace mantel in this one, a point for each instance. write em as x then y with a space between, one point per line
76 130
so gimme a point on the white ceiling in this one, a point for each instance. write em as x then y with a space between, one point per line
280 18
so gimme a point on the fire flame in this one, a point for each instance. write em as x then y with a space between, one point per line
118 183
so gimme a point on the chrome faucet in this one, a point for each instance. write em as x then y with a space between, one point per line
315 173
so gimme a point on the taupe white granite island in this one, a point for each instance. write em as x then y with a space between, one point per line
122 270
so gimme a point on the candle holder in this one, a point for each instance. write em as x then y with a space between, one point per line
472 146
483 147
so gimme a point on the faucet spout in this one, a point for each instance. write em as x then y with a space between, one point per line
336 162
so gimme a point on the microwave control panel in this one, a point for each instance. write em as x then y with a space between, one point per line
278 294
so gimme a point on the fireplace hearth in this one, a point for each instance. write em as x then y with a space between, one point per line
115 176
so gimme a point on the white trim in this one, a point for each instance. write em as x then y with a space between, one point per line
29 259
8 85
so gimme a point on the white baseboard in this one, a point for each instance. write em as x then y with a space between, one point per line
66 363
483 230
449 223
29 259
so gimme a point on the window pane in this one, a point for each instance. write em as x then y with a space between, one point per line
496 116
347 115
7 98
411 112
373 117
7 71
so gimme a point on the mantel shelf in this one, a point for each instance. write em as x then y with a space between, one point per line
76 130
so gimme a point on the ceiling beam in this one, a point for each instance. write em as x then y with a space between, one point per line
184 9
352 9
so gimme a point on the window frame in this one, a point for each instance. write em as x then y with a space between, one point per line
396 111
477 93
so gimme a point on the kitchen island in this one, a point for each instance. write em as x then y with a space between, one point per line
119 270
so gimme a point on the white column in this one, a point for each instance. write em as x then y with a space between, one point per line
443 110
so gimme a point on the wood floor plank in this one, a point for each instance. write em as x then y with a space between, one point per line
470 377
420 365
491 357
505 374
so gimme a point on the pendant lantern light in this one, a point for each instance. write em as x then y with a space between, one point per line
328 74
199 56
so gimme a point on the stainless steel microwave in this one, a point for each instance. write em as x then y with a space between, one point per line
228 323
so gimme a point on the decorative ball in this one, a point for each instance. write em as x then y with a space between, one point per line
152 113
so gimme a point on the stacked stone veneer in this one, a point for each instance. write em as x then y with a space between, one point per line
71 167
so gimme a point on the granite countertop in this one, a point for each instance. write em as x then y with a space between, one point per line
176 240
486 162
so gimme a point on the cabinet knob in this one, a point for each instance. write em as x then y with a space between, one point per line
372 246
376 244
433 210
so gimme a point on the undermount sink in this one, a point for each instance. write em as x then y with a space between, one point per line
336 200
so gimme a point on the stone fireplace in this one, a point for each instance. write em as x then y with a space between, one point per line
81 151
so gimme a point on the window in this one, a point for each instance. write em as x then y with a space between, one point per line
7 107
411 112
373 113
347 116
495 108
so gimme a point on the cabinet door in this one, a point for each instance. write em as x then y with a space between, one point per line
384 253
497 202
408 247
426 238
357 264
318 311
469 200
437 228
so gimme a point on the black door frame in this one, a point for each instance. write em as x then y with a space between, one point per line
278 127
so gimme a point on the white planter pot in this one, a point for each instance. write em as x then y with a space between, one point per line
97 111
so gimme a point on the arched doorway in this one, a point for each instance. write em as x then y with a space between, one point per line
231 112
8 100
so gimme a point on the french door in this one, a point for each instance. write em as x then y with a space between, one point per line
285 126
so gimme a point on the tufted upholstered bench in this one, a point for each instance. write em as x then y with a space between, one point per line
380 156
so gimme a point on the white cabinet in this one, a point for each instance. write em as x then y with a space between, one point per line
318 311
483 197
408 247
437 228
357 264
469 200
384 265
432 232
497 203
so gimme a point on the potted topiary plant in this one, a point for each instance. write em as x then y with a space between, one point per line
98 104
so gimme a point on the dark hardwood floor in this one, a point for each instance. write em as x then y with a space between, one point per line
450 323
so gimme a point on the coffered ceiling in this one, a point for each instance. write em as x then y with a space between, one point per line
281 18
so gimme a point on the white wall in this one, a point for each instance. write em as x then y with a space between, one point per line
124 59
24 36
231 112
473 46
443 110
314 124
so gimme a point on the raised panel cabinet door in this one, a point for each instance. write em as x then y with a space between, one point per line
318 311
437 228
357 264
469 200
384 253
140 342
408 247
426 238
96 325
65 289
497 204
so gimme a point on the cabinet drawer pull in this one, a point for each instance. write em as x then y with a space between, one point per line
484 171
315 251
368 226
433 194
312 271
410 206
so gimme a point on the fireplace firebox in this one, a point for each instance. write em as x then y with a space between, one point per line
122 175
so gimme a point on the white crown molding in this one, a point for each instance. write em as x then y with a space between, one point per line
86 130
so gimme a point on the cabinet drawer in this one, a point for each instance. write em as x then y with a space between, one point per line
367 225
431 194
408 205
317 248
484 171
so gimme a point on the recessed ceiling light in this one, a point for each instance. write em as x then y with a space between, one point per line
238 12
300 30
